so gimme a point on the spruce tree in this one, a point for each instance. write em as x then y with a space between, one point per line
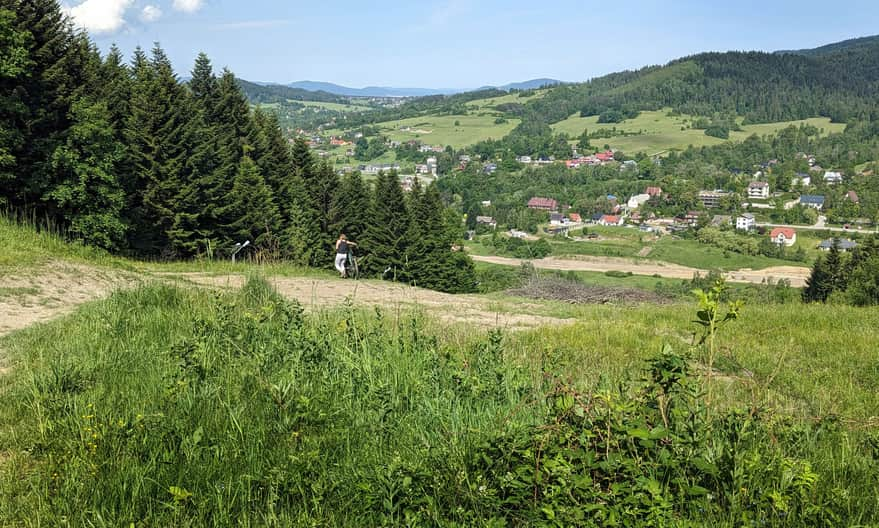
155 133
88 195
195 227
351 208
323 190
251 208
432 263
36 102
300 241
386 234
15 62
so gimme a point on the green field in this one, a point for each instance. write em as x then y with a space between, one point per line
169 404
442 130
662 132
628 243
490 104
338 107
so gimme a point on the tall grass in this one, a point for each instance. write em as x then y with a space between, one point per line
165 406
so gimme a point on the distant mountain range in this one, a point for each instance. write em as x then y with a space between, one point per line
387 91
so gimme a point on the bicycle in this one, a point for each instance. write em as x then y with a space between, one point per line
352 269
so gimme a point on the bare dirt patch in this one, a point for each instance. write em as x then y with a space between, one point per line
796 275
52 290
575 293
315 294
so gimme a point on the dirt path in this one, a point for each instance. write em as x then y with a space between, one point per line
796 275
316 293
52 290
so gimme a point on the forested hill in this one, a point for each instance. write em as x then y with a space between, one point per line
839 81
275 93
762 87
845 45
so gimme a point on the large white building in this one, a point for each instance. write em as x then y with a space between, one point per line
746 222
638 200
758 189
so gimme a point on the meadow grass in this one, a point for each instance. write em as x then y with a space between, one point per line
703 256
170 406
663 132
338 107
441 130
491 103
26 244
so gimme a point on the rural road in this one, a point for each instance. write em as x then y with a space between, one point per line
819 227
796 275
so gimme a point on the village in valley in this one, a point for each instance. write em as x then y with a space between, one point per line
756 209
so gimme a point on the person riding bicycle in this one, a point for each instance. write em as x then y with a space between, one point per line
342 253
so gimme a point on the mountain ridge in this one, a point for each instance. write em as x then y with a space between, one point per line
389 91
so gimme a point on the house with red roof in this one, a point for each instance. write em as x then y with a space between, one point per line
605 156
654 191
575 218
610 220
853 197
543 204
783 235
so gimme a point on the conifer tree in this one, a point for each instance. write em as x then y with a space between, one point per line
37 101
303 240
156 137
115 88
195 226
88 196
300 241
431 261
386 234
15 61
323 189
251 208
351 207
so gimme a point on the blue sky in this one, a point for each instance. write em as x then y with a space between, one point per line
460 43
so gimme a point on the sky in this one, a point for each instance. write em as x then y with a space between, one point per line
459 43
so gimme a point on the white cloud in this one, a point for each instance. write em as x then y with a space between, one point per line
100 16
188 6
151 13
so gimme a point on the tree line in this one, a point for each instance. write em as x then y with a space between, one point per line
127 157
846 278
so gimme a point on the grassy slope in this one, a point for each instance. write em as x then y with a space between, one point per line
662 132
187 384
441 130
628 243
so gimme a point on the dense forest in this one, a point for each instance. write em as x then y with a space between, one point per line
275 93
129 158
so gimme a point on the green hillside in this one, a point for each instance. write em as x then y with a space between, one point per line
661 131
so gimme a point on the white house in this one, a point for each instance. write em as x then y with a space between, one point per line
758 189
783 235
638 200
802 179
745 222
832 177
431 165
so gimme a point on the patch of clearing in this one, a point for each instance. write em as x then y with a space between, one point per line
796 275
52 290
316 294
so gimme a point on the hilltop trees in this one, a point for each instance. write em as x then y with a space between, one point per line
129 158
